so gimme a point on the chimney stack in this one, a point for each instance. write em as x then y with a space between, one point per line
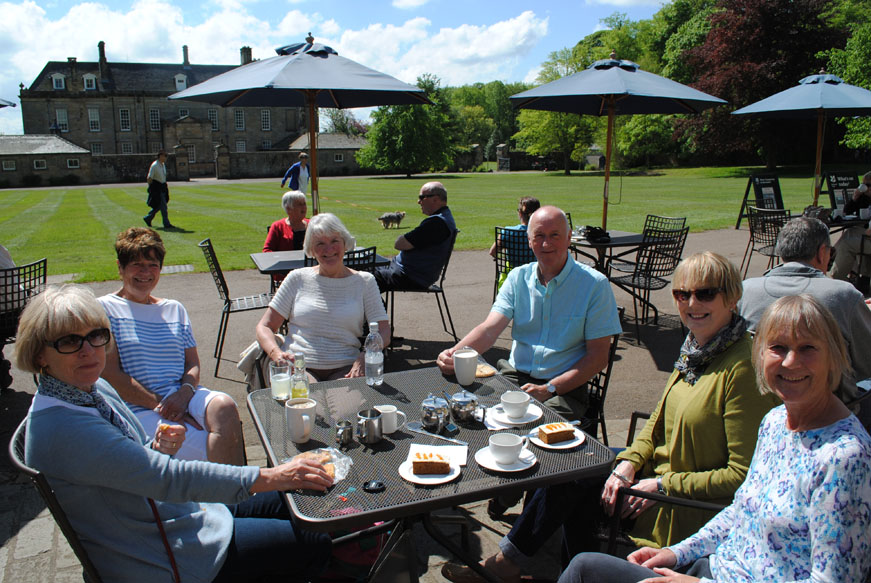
74 75
246 55
104 66
184 51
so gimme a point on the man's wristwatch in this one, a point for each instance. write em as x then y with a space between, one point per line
659 486
550 388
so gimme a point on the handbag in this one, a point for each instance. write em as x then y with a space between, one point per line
596 234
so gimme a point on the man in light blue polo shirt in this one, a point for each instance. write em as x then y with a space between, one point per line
563 314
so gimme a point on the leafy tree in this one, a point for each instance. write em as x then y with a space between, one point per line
409 138
342 121
853 65
474 125
755 48
646 136
544 132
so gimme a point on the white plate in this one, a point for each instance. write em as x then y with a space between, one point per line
485 458
427 479
579 438
533 413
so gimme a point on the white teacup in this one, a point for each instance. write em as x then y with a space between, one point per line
515 403
465 365
300 415
390 418
506 447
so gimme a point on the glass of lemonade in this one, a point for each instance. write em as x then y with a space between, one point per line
279 380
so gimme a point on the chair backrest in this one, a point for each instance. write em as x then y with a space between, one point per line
448 258
598 385
660 258
765 224
359 259
16 454
571 226
664 223
512 249
215 268
17 286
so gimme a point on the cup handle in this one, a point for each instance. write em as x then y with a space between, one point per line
404 418
307 424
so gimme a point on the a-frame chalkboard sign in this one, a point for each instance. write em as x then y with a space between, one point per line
766 189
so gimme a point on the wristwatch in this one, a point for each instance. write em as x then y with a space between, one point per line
550 388
659 486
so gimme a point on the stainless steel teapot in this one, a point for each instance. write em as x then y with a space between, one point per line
434 413
465 408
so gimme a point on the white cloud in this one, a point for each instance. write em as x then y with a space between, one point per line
532 75
408 4
155 30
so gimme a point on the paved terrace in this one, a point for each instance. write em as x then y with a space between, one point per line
34 550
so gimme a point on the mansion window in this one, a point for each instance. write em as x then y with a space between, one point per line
239 117
265 120
181 82
338 157
240 145
90 82
97 148
213 117
192 153
63 123
266 145
183 112
39 165
154 119
93 119
57 81
126 147
124 119
72 163
8 165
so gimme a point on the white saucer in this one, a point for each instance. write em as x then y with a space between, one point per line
497 413
485 459
578 439
427 479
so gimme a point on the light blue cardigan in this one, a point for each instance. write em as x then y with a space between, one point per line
103 479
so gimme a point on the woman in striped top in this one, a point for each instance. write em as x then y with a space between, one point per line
155 366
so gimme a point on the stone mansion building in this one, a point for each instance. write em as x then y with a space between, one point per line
116 110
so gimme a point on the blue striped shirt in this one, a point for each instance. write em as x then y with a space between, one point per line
151 340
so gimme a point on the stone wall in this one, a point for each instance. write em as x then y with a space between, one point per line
127 168
55 173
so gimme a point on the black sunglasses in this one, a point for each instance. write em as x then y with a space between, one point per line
423 196
703 295
73 342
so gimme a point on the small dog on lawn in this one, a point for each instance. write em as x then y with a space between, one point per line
394 219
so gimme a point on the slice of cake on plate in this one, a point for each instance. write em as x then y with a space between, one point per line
556 432
424 463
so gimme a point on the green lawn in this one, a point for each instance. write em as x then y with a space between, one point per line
75 227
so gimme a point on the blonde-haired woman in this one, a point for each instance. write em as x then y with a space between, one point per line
804 511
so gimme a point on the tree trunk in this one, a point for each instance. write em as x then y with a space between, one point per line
567 161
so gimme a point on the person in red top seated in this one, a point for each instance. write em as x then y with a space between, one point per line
287 234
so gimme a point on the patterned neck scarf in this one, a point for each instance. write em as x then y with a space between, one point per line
694 359
52 387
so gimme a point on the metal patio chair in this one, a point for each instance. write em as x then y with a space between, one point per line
17 286
653 225
231 305
512 250
359 259
765 225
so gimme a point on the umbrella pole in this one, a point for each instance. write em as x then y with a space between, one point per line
313 148
608 162
821 128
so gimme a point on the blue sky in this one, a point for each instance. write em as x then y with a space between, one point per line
460 41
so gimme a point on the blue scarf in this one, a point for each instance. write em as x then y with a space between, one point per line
52 387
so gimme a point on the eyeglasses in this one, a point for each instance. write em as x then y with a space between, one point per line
423 196
703 295
73 342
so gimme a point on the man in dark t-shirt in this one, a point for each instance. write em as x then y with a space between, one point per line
424 250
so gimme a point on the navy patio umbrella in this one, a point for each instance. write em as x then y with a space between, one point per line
614 87
4 103
307 75
815 97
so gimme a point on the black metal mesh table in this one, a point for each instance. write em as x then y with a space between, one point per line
341 508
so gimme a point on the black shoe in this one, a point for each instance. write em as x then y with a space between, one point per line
495 509
169 227
147 221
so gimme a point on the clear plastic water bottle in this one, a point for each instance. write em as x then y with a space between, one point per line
299 382
374 356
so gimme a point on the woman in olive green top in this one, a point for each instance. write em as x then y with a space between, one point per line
700 438
697 443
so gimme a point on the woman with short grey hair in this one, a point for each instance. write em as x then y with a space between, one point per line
325 307
287 234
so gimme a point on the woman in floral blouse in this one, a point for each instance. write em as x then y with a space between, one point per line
804 511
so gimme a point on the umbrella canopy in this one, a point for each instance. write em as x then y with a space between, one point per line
614 87
815 97
307 75
4 103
